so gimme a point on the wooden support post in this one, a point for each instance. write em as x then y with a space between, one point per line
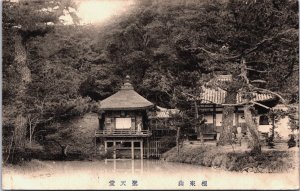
142 149
214 117
148 148
132 149
105 146
236 119
115 152
96 145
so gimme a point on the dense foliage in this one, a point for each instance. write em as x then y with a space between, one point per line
169 48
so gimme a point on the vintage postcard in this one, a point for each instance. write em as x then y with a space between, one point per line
150 94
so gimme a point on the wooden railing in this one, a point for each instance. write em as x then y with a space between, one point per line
154 149
123 133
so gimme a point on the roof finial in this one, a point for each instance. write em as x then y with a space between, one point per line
127 85
127 79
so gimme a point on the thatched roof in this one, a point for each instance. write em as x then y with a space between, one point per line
125 99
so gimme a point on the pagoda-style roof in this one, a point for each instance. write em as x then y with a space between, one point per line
125 99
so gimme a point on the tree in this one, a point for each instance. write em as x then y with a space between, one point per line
169 49
186 100
257 39
293 115
23 20
27 19
275 116
61 137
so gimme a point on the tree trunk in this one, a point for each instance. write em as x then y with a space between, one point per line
10 147
253 129
32 126
177 139
273 129
198 130
271 137
227 119
62 147
196 115
21 63
227 123
30 134
20 131
196 110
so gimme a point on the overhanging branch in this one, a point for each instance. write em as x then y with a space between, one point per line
256 70
271 92
258 81
224 57
245 103
256 103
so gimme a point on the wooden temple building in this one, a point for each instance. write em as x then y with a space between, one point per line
123 124
211 107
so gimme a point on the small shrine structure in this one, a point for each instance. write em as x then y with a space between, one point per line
123 123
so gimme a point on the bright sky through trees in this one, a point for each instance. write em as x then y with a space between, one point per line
97 11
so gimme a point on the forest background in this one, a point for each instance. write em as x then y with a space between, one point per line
54 72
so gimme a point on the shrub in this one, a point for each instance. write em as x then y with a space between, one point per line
211 156
167 142
218 160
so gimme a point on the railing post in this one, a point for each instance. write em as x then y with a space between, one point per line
115 150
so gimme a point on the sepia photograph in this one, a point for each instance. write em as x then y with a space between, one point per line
150 95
